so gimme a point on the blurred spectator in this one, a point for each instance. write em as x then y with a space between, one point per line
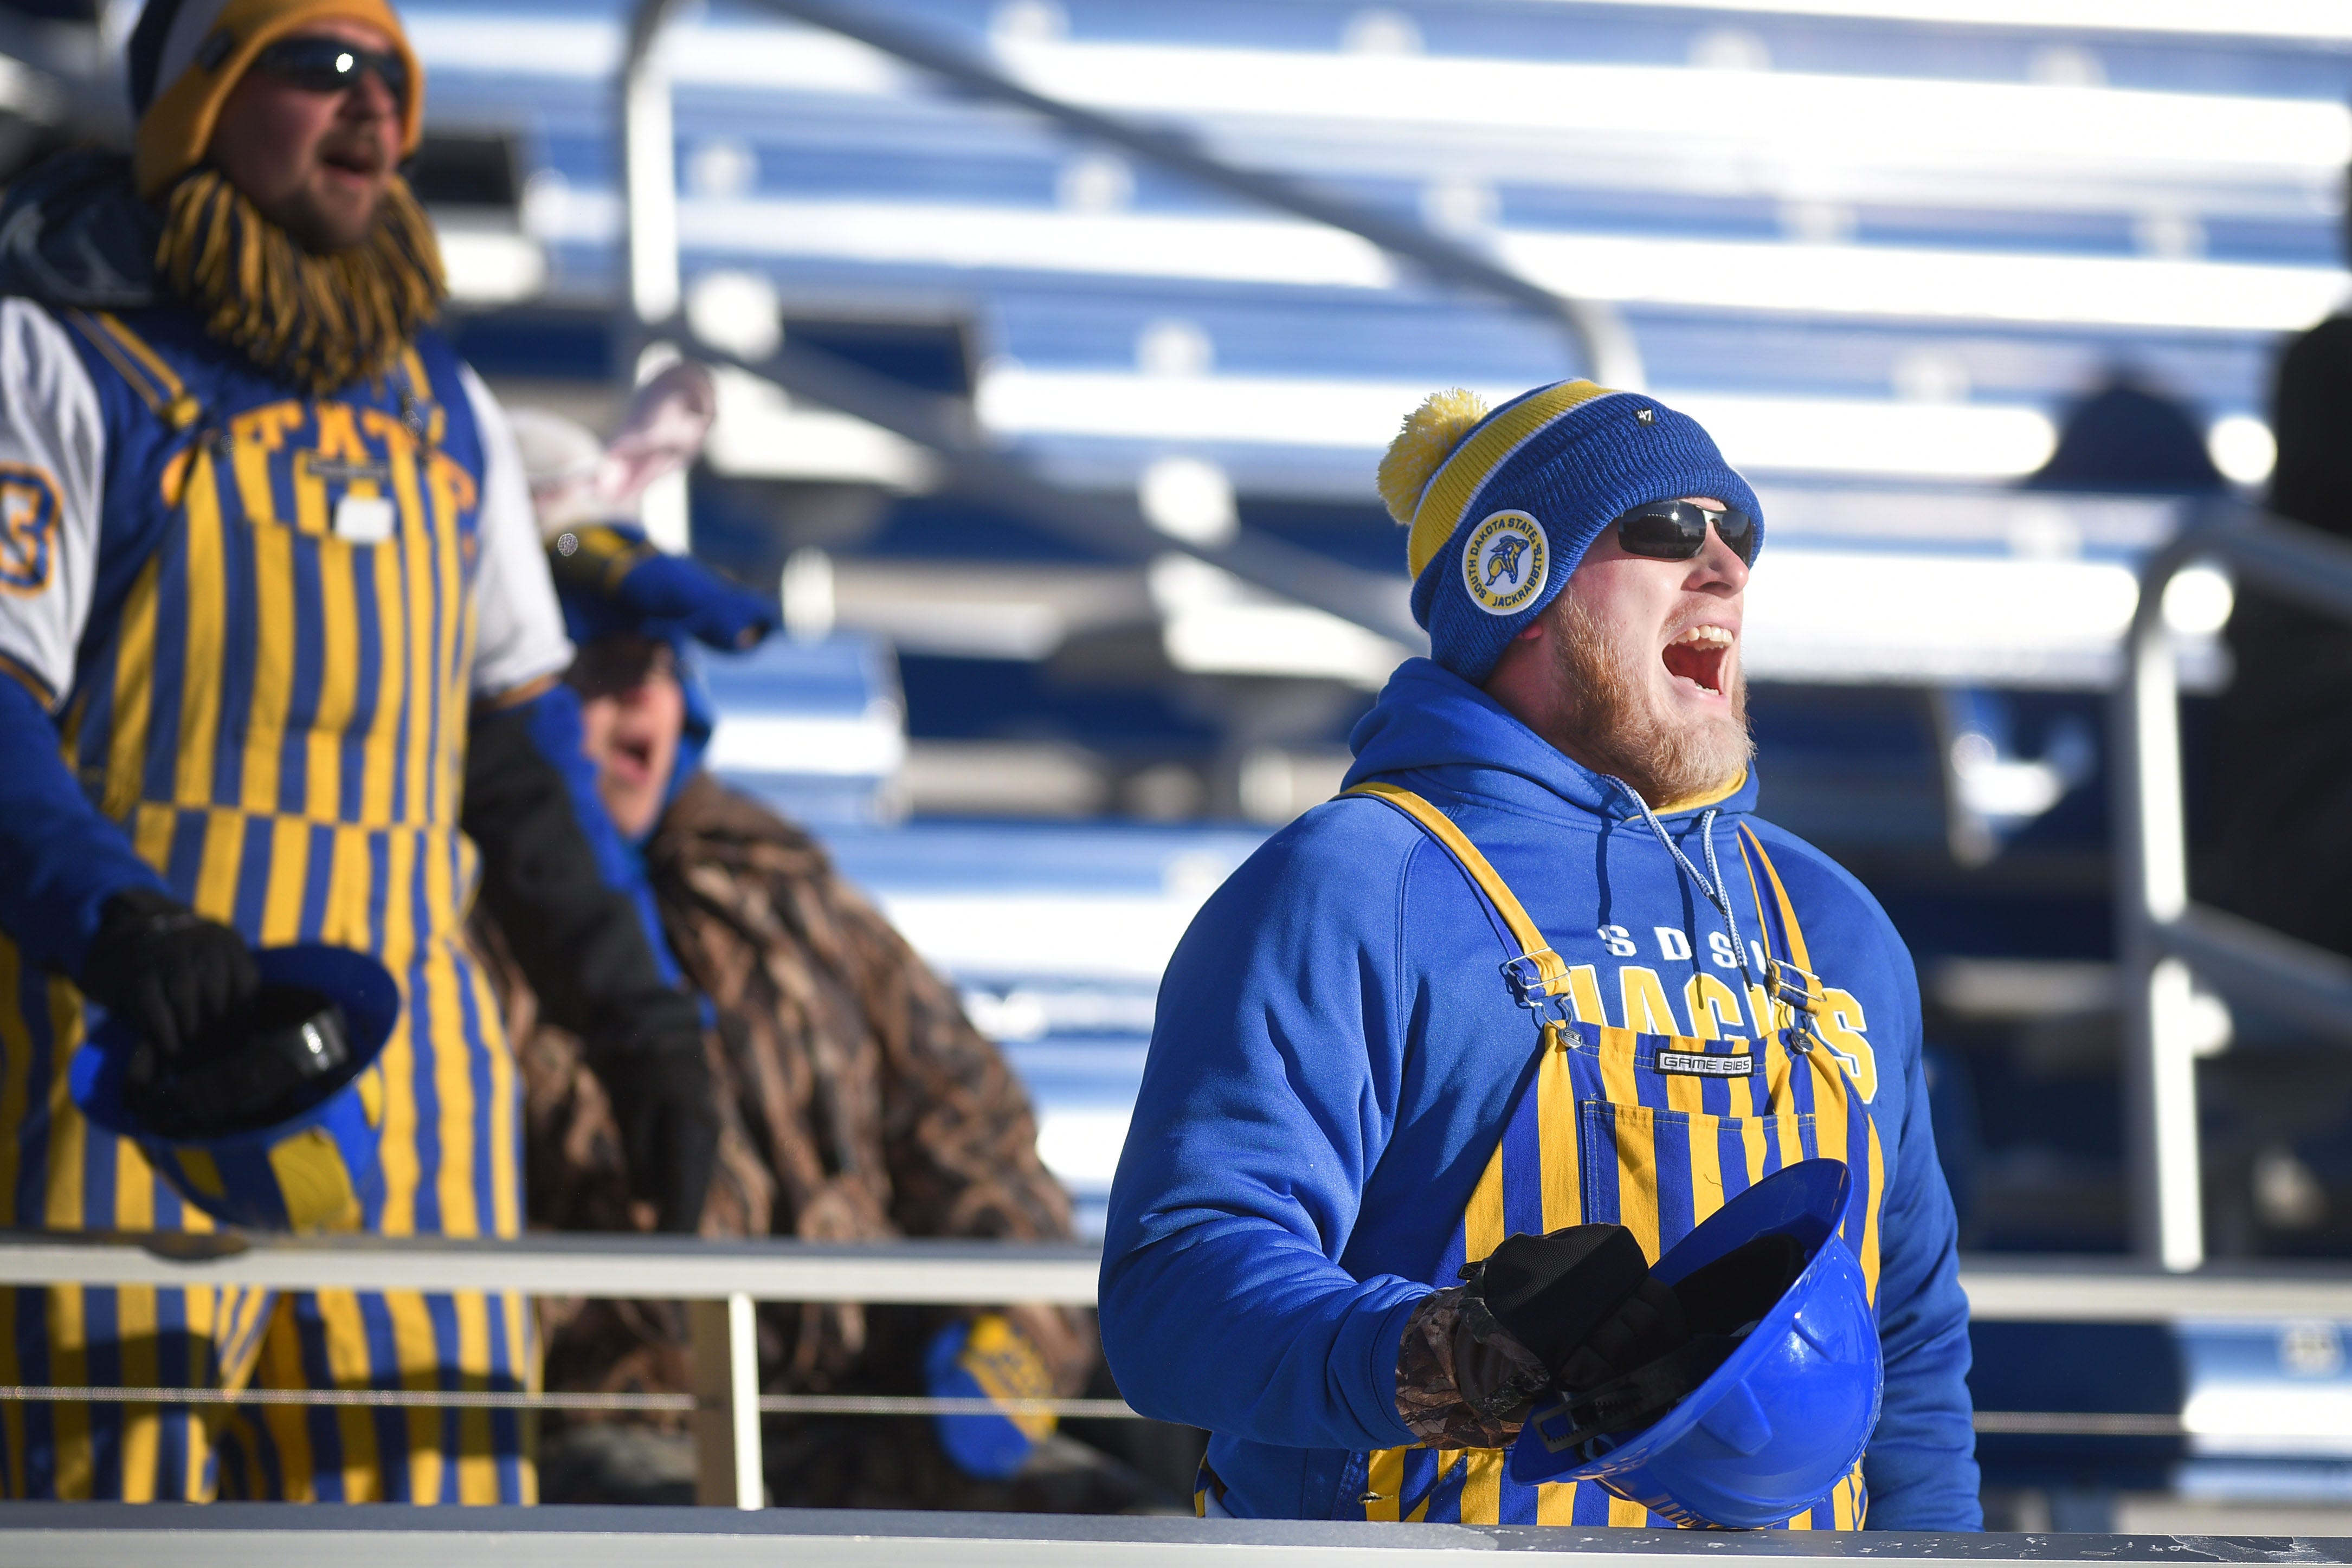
858 1103
2128 438
2287 773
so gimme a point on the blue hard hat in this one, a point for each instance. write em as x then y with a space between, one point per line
1773 1429
315 1162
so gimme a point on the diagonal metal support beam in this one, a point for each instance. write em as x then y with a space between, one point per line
1375 601
1597 333
2267 968
944 426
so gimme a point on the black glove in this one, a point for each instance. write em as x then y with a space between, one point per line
1582 1300
666 1108
172 972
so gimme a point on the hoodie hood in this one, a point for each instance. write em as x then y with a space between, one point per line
74 233
1429 720
694 736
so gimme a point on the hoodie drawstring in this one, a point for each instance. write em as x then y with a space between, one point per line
1717 892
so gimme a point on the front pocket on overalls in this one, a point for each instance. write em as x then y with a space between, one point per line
1661 1173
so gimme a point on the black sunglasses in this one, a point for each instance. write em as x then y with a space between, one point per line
331 65
1676 530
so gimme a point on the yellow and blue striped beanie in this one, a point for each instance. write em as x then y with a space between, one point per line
1503 505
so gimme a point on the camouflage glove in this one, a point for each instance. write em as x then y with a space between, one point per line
1463 1381
1571 1309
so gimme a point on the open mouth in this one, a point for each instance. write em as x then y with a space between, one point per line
1699 656
631 759
363 163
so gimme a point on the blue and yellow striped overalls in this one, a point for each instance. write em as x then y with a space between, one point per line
1600 1134
272 698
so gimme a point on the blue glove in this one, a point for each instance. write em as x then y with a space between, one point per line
615 584
988 1359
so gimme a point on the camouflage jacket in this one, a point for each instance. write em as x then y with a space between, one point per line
858 1102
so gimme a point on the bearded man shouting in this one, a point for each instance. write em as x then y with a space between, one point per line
272 603
1539 975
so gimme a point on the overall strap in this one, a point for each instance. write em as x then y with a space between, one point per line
144 371
1789 973
1538 972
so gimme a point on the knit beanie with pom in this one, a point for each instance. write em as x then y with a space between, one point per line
1503 505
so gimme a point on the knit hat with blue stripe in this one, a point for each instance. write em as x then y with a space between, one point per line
1503 505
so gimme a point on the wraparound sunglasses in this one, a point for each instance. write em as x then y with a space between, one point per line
331 65
1676 530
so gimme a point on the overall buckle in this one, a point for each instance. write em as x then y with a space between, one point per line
1531 987
1805 998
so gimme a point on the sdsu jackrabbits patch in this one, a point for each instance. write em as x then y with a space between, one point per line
1504 562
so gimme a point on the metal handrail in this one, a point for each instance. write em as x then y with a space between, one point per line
240 1535
721 1281
2163 937
672 1268
940 1272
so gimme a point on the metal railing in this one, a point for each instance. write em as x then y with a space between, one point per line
721 1282
240 1535
654 294
2163 937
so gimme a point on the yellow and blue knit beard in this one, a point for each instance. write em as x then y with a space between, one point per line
321 320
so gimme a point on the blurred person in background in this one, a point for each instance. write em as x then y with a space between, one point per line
271 591
2286 720
2127 436
857 1102
1349 1117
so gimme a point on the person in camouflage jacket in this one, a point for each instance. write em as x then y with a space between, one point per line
857 1104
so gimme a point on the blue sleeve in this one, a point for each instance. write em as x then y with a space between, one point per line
1270 1092
60 860
1921 1467
552 720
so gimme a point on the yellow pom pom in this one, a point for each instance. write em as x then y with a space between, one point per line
1431 434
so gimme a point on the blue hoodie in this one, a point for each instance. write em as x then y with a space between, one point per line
1333 1060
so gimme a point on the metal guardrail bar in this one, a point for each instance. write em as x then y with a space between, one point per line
2162 936
679 1268
930 1272
242 1535
2120 1290
2039 1423
719 1280
365 1536
515 1399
